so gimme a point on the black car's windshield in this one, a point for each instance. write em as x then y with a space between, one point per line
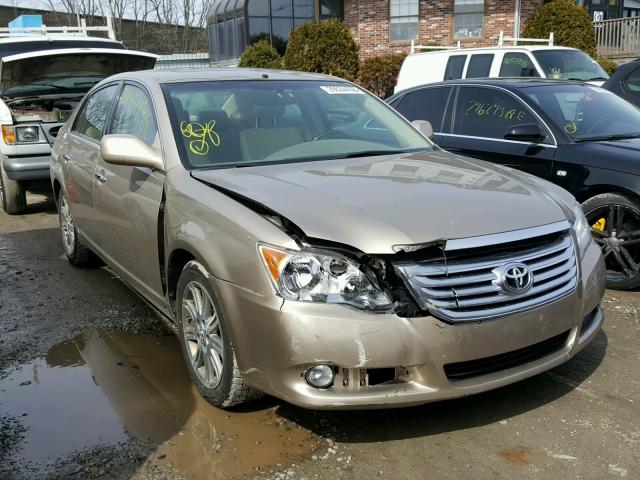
569 65
224 124
587 113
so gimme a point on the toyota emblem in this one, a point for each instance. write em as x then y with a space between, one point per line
514 278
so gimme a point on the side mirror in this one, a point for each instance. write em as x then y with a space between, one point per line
526 132
129 150
424 127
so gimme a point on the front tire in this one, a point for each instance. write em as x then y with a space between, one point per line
76 252
615 225
12 193
204 339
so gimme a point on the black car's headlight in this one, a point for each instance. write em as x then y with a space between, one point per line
323 277
581 228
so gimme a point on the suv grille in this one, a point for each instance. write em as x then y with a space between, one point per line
471 288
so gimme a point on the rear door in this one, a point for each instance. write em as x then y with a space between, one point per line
429 103
80 157
127 199
480 119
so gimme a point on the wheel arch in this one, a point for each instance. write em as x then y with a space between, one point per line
592 191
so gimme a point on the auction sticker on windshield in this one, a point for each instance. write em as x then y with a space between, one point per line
341 90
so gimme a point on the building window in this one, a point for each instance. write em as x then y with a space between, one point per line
468 18
404 20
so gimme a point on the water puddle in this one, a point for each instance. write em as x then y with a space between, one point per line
104 385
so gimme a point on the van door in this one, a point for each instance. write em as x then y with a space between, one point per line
518 64
481 117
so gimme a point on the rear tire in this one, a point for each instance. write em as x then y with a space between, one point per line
76 251
14 196
615 223
204 338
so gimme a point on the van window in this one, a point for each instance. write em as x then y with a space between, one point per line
517 64
632 82
480 66
488 112
426 104
455 65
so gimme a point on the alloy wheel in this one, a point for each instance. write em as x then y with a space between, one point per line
67 227
202 334
616 228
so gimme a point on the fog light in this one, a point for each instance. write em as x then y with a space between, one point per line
319 376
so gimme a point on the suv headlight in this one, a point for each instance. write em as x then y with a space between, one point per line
582 228
323 277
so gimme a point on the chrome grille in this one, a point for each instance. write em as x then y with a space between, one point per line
469 289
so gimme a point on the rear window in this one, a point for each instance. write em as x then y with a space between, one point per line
455 65
480 66
15 48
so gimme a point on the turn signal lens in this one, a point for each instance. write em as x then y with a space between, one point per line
274 260
8 135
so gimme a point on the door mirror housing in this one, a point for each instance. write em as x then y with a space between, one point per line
129 150
526 132
424 127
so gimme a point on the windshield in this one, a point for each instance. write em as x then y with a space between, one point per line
586 112
226 124
569 65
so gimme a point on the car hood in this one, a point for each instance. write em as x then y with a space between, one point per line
32 67
376 203
619 155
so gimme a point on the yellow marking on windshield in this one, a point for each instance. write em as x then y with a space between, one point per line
571 128
204 135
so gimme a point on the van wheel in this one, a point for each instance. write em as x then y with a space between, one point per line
615 225
12 193
205 342
77 253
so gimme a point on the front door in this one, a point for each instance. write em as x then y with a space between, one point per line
127 199
481 118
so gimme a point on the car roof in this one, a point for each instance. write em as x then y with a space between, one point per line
179 75
505 82
54 37
517 48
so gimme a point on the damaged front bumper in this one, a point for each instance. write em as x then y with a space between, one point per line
383 360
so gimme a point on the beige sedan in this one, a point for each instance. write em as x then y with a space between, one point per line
308 242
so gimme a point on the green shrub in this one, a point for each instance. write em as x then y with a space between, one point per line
260 55
323 47
379 74
607 65
569 23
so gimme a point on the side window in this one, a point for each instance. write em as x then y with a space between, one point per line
487 112
455 65
480 66
91 119
426 104
134 115
632 82
516 64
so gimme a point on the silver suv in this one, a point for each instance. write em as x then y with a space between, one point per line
308 242
43 76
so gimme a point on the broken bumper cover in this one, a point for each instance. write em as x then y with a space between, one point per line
277 341
25 168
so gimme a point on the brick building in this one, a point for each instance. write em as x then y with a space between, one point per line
379 26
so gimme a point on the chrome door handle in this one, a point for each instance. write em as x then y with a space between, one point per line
66 157
100 178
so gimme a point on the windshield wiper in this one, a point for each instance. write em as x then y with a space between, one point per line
608 137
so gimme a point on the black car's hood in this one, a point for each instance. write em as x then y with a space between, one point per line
619 155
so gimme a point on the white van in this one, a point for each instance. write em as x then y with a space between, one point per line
518 61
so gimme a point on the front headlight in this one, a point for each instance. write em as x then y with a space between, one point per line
30 134
582 228
324 277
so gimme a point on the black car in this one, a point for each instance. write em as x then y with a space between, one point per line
625 82
576 135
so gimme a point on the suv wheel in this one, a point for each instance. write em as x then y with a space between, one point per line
205 342
77 253
12 193
615 223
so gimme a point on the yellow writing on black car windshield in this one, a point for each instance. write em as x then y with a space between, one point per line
203 134
571 128
494 110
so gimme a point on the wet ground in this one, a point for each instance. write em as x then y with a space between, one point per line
92 385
